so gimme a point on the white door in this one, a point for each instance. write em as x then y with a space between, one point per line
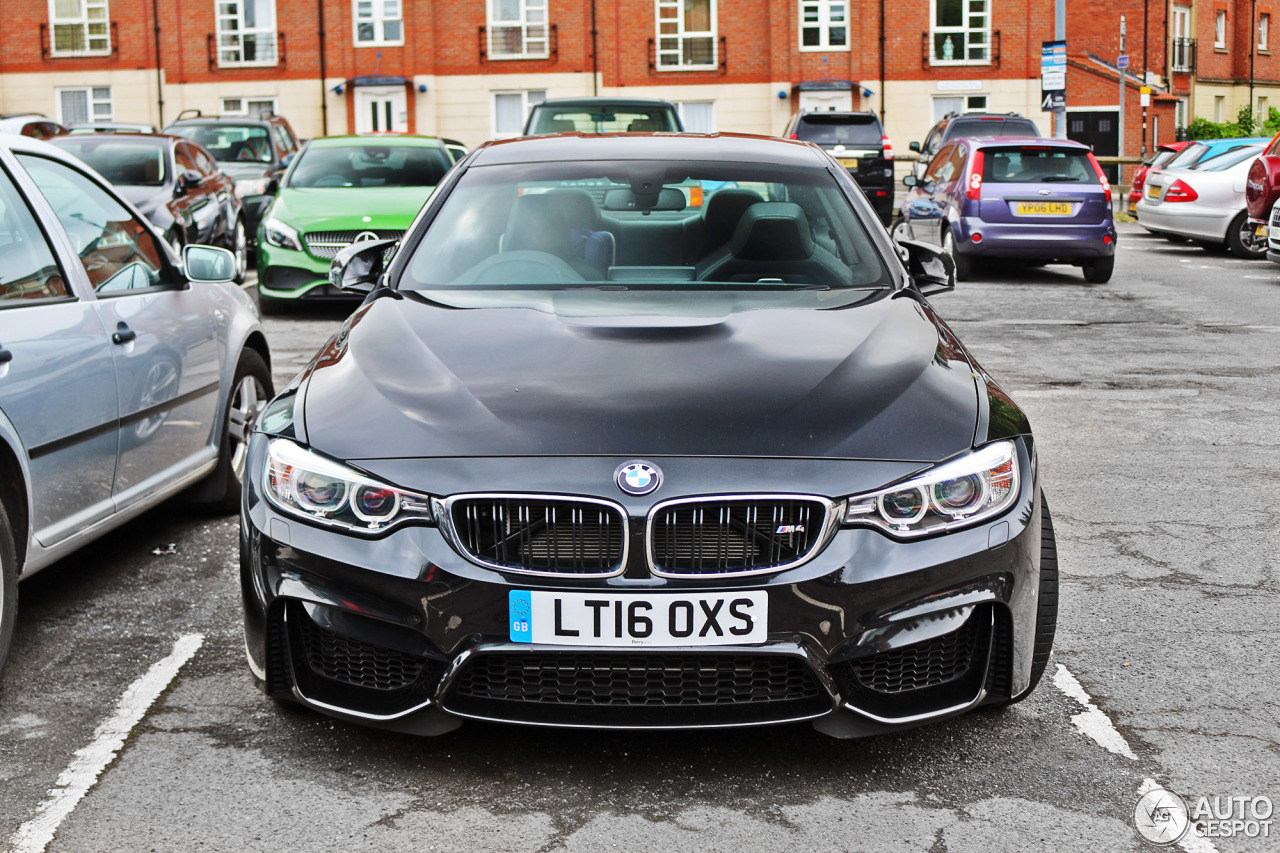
381 108
839 101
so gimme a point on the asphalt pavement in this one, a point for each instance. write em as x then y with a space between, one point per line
1155 400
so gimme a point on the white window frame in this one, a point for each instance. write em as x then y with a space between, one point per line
240 32
824 15
379 18
92 102
91 12
1220 29
967 29
1264 30
1180 58
243 109
672 12
535 30
528 97
715 118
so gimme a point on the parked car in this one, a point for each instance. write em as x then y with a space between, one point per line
340 190
1163 154
602 115
1262 186
1041 200
858 141
524 483
455 149
81 127
130 373
33 125
955 125
174 182
253 151
1205 202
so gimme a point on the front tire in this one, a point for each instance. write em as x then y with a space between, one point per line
964 263
1099 271
1046 605
1243 241
251 388
8 585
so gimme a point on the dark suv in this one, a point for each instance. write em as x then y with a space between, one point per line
857 140
252 151
956 125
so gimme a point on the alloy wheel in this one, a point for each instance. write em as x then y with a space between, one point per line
246 403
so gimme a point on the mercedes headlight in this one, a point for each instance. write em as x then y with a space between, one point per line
279 234
956 494
304 483
252 186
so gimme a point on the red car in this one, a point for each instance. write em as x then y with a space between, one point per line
1164 153
1263 185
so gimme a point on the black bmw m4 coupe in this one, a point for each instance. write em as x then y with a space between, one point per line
646 431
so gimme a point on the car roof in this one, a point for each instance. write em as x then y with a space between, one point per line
1008 141
404 139
837 114
232 120
121 136
1236 140
601 101
16 142
565 147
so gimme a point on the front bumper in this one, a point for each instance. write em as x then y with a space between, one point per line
870 635
284 274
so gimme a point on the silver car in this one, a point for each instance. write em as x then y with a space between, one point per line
127 373
1205 203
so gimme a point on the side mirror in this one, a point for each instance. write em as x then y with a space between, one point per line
931 269
288 158
208 263
189 180
358 267
910 180
914 146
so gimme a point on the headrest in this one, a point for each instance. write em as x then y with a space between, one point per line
772 231
645 125
723 212
578 208
557 125
537 223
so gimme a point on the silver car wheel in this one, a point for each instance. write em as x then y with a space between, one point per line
246 403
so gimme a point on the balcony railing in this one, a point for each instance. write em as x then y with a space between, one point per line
47 50
1182 57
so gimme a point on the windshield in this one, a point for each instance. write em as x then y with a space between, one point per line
645 225
140 163
1226 159
229 143
1191 154
839 130
1033 165
992 127
602 119
369 166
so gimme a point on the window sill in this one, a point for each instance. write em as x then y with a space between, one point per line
1264 51
1219 48
79 54
951 63
507 57
256 64
379 44
686 68
841 49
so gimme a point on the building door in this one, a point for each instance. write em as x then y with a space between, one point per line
1098 129
380 109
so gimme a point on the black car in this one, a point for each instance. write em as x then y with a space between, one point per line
955 125
531 483
602 115
174 182
858 141
253 151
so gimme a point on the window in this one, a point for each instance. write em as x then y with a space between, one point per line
1181 59
961 32
90 103
1264 105
29 270
686 34
510 109
824 25
1220 28
80 27
378 22
697 116
246 32
1264 30
118 252
518 29
249 106
946 105
1219 104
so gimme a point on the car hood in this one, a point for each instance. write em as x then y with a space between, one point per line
346 208
239 169
146 199
409 379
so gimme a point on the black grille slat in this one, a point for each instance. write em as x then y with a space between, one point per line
559 536
356 662
920 665
637 679
735 535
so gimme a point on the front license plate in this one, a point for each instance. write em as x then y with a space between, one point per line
601 619
1153 191
1044 208
849 162
1261 231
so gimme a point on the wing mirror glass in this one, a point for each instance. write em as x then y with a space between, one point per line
358 267
931 269
208 263
914 146
910 180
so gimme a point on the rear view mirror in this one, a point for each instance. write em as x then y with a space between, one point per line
358 267
931 269
669 198
208 263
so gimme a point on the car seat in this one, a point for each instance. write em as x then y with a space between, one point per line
773 241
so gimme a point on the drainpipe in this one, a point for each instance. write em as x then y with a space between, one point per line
595 64
324 104
882 63
155 17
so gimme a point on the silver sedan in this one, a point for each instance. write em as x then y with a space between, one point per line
127 373
1205 203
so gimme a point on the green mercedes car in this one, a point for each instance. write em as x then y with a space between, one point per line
340 190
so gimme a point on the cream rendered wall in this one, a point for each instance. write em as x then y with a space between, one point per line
461 107
133 93
296 100
740 107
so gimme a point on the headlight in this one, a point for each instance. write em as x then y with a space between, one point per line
279 234
252 186
958 493
306 484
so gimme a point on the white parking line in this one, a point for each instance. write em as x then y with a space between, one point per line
89 762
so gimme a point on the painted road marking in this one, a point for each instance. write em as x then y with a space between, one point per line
89 762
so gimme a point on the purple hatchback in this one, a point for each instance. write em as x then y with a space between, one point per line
1041 200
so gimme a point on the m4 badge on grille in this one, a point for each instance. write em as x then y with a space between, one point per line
789 528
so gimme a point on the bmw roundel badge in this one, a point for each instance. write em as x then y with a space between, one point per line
638 478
